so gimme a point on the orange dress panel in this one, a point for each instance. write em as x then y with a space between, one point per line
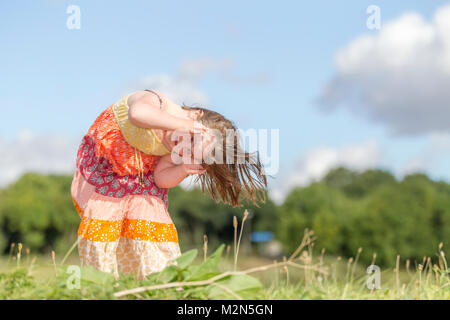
111 145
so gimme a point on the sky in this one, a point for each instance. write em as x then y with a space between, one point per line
339 92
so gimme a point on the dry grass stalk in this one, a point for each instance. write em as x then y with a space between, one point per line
19 253
235 226
307 239
214 279
205 246
397 272
11 252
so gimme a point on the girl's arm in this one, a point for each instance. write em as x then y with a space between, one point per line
145 112
168 175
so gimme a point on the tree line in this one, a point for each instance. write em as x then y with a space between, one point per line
347 210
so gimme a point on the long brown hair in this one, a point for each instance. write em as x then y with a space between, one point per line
236 179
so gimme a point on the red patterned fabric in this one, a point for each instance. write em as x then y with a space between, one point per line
99 172
110 144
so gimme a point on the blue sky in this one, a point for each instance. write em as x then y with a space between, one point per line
55 81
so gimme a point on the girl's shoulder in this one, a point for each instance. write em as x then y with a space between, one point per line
145 140
150 97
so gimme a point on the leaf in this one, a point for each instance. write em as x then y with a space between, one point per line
186 258
207 269
91 274
167 274
239 284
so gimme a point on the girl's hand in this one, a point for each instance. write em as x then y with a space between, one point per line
196 146
193 168
192 127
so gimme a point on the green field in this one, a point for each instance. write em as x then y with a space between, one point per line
202 275
403 222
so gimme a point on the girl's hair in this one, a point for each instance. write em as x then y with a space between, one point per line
232 180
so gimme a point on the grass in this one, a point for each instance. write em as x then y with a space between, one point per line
303 275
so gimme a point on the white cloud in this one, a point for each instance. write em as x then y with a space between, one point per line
37 153
179 89
224 69
428 159
316 163
398 77
184 85
198 68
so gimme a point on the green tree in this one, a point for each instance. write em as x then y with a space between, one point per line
37 210
397 219
358 184
319 207
195 214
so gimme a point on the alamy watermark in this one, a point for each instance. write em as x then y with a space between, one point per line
228 147
374 279
373 21
73 21
74 279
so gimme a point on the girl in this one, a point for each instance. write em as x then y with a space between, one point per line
125 167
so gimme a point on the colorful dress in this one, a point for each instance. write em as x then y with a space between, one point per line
125 226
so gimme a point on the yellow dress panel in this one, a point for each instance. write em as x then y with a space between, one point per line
142 139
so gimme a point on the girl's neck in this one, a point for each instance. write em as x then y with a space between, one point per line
167 140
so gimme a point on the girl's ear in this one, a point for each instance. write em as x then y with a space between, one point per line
193 113
198 114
